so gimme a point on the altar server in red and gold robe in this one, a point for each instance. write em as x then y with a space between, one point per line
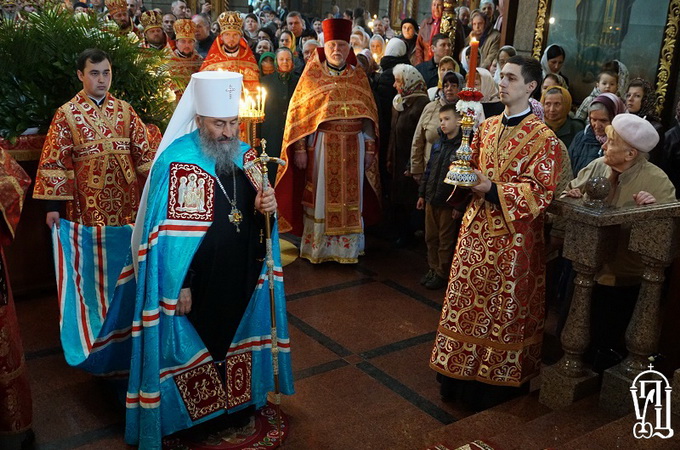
488 342
97 153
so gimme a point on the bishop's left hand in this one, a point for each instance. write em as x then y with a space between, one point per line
368 159
265 202
483 186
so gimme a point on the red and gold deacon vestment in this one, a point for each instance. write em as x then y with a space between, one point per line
327 117
491 326
15 394
96 159
181 68
242 62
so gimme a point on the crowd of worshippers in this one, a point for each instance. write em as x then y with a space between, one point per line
414 72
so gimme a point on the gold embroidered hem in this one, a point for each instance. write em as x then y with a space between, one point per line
482 380
318 247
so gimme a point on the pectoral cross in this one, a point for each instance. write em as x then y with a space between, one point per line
345 109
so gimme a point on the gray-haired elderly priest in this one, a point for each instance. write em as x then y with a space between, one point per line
203 345
634 181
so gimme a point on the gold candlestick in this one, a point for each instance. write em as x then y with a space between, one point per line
460 172
251 112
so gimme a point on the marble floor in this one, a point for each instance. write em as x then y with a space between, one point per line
361 337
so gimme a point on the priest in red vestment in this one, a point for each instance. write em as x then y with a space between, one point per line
330 138
97 154
15 394
489 337
184 61
231 52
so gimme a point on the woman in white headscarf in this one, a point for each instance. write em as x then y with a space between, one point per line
408 106
491 102
377 47
553 60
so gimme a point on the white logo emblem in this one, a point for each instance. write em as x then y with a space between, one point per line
652 388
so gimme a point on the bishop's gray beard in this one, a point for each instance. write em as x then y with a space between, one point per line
223 152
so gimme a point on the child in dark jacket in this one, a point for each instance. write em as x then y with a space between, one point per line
441 219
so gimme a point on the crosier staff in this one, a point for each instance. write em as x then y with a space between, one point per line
262 162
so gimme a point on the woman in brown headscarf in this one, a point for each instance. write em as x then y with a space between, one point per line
556 102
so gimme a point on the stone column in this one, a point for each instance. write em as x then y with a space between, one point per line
569 380
656 242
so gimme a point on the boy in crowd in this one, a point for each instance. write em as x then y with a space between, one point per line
441 219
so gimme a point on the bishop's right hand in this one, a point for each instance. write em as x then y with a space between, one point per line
184 302
52 219
300 159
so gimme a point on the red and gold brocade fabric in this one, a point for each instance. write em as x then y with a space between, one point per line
181 69
14 183
96 158
15 394
491 326
243 62
335 105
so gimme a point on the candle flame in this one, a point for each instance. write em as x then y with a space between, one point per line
474 39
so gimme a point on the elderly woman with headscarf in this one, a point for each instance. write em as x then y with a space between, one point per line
489 39
587 144
491 102
641 100
395 53
426 131
553 60
407 107
377 47
280 87
556 103
267 63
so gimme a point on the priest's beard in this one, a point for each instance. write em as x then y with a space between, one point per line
222 150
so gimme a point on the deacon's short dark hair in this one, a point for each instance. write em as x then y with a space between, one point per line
531 69
94 56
